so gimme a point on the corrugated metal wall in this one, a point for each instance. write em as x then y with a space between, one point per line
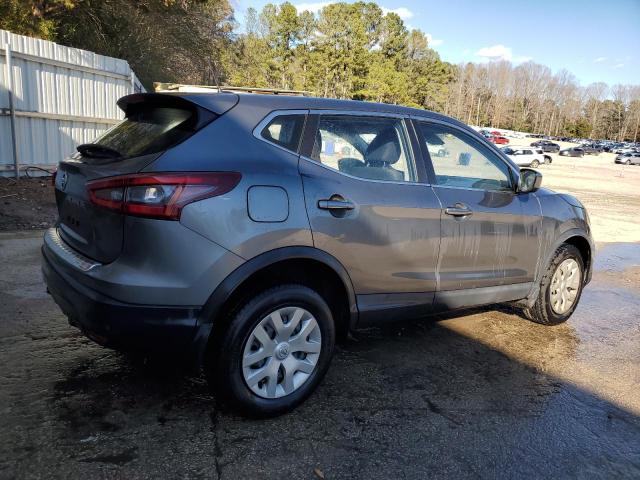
62 97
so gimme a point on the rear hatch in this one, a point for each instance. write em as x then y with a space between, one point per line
153 124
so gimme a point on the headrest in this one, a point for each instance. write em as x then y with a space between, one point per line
384 149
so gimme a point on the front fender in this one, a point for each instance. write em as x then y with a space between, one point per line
546 259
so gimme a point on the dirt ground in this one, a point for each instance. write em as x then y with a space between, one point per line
476 394
27 204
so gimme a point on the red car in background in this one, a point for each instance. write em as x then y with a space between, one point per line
499 140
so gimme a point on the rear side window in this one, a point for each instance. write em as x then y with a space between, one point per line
373 148
285 130
146 130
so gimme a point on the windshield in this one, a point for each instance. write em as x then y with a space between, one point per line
147 129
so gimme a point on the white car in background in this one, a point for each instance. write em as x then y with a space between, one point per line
525 156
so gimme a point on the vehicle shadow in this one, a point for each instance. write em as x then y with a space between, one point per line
407 400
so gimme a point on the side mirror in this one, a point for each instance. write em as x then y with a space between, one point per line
529 181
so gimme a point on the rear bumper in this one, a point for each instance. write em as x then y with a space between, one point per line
116 324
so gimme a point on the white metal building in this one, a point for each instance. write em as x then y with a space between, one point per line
61 97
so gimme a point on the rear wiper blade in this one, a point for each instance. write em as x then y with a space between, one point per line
98 151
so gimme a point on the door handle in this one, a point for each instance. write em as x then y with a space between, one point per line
459 210
334 204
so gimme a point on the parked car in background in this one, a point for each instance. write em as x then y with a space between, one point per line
499 140
438 151
628 158
547 158
250 231
572 152
547 146
624 149
524 156
590 149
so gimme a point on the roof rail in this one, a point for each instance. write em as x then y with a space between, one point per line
178 87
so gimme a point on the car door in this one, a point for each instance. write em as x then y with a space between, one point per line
518 157
528 156
490 233
369 205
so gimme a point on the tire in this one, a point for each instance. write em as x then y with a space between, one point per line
224 366
547 160
628 162
535 164
544 311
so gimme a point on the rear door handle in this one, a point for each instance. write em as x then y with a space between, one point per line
332 204
459 210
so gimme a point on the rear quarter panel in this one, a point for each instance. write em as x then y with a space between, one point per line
228 144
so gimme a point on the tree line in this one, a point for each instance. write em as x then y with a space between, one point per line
346 50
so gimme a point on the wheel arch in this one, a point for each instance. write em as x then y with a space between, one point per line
579 239
585 249
302 265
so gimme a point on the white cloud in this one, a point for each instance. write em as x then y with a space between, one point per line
495 52
500 52
599 59
433 42
315 7
618 65
403 12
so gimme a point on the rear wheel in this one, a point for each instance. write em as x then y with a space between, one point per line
628 162
560 288
275 351
547 160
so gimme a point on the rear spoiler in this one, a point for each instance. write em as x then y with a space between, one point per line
217 104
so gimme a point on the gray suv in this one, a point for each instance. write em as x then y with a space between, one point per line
250 231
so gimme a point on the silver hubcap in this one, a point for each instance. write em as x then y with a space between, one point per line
281 352
564 286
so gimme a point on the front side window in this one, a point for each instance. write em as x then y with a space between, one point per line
373 148
468 165
285 130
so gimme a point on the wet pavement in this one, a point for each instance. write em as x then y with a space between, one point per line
479 394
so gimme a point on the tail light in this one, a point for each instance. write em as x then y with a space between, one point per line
159 195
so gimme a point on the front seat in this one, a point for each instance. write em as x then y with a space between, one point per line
381 153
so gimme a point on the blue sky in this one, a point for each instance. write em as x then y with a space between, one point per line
594 40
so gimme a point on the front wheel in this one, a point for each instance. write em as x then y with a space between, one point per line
274 353
560 288
535 164
628 162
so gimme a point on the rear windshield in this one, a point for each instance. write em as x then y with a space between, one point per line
149 129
